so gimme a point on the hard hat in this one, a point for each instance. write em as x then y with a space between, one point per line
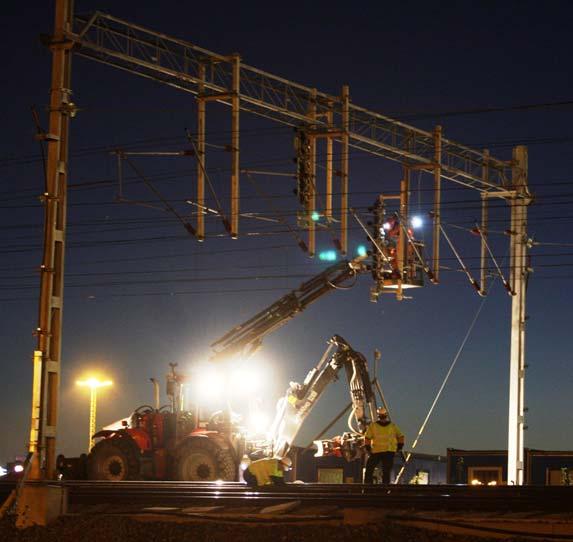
381 411
287 462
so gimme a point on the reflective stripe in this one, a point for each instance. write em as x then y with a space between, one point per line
384 438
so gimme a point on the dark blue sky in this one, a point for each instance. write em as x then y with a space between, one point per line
412 60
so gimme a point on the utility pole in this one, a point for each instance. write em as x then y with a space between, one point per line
519 271
49 330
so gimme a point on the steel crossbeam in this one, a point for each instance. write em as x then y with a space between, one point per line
177 63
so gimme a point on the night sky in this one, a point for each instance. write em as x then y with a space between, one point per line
493 74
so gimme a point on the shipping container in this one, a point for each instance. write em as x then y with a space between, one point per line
421 469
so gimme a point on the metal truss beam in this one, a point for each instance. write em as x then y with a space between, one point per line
177 63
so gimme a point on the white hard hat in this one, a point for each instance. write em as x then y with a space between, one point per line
287 462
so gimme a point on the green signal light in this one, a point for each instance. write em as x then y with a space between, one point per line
361 250
315 216
327 255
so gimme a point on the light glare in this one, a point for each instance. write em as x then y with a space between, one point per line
417 222
327 256
258 423
93 383
208 383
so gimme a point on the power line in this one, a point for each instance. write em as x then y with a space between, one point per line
229 278
179 255
169 281
482 110
155 294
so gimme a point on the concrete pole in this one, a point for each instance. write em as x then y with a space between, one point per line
519 271
49 330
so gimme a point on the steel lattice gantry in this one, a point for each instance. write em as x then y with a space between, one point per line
226 79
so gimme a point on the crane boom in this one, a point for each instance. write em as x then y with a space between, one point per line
300 399
245 338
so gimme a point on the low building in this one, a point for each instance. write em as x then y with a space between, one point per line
421 469
541 467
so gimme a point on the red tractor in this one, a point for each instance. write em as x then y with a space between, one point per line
165 443
169 443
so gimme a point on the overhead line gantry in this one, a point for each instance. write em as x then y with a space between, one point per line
226 79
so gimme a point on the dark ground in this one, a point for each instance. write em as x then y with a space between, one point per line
122 529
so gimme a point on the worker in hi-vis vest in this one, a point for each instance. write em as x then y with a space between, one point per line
383 439
267 471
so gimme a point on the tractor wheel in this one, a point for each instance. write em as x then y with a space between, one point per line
113 460
202 460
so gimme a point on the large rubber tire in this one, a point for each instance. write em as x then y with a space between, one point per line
200 459
114 460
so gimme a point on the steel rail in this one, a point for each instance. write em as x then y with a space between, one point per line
436 497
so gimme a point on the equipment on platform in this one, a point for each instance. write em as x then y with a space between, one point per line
397 258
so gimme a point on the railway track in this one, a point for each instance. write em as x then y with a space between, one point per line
406 497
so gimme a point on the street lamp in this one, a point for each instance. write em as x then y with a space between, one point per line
93 384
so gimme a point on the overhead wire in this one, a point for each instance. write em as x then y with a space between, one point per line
218 291
442 387
490 270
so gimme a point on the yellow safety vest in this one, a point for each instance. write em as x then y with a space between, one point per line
263 469
384 438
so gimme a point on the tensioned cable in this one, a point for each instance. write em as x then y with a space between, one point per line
303 246
453 364
472 280
415 443
491 255
221 213
165 202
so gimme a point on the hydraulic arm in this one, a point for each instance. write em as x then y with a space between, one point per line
299 400
244 339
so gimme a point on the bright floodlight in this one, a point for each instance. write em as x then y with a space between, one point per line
258 423
18 468
417 222
251 377
387 226
3 472
94 383
208 382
